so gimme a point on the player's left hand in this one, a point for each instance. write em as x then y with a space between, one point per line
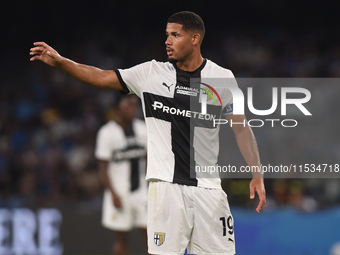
257 185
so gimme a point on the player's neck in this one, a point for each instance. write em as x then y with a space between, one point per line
124 123
191 64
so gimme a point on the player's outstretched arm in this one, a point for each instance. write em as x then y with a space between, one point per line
247 144
106 79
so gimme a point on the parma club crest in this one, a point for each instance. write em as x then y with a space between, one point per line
159 238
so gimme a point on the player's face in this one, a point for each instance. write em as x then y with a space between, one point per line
178 43
128 107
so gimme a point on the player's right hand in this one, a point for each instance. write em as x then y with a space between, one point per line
45 53
116 201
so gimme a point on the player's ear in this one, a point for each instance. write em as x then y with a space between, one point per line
196 37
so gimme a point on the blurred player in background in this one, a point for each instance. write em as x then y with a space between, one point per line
183 210
121 151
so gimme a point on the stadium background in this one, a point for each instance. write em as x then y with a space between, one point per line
48 121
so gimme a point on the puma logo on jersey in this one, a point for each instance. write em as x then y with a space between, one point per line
166 85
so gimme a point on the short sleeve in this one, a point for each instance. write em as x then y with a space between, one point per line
103 148
133 79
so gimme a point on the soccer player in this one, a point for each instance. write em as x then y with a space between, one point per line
183 210
121 151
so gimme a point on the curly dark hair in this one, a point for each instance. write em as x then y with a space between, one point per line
190 22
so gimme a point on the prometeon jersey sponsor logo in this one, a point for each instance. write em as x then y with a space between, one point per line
128 154
159 106
187 91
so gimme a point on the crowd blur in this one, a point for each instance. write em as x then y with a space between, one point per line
49 121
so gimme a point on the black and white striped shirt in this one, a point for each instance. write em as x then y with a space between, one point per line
179 136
